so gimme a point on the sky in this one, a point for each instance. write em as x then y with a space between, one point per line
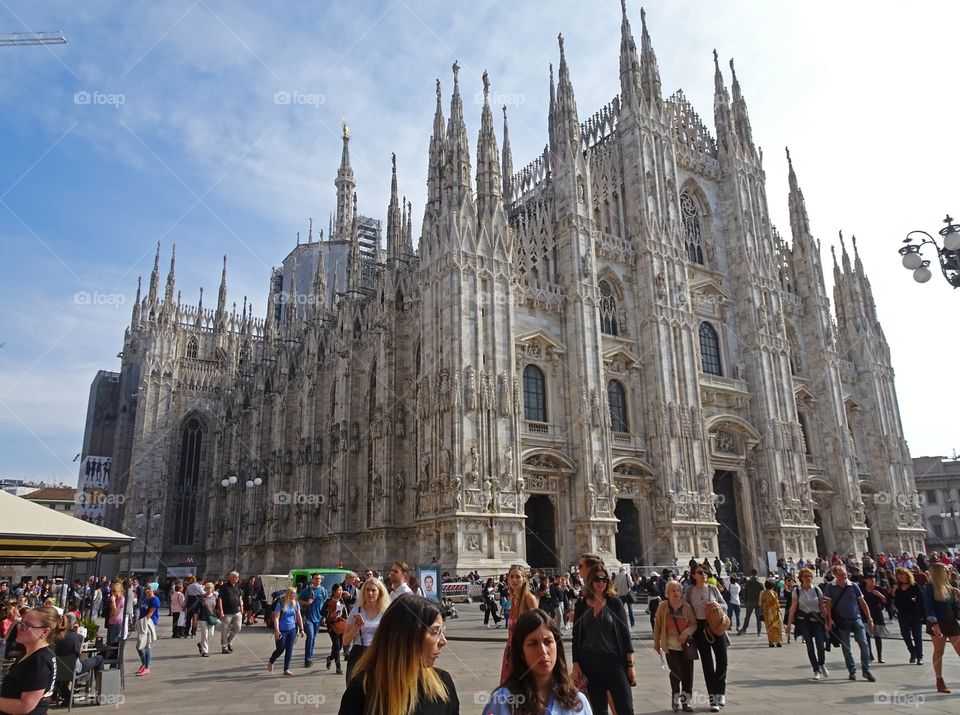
216 125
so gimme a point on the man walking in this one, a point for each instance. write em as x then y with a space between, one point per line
751 600
846 604
312 599
398 577
230 611
622 583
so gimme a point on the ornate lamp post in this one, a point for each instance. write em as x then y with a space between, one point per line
948 255
226 483
950 512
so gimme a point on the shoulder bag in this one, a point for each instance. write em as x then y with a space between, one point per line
688 646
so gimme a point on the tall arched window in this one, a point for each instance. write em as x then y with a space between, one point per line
192 348
534 394
690 215
188 478
709 350
608 309
617 398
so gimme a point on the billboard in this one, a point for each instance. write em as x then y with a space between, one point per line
93 490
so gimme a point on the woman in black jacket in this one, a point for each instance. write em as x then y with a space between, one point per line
602 649
490 597
908 599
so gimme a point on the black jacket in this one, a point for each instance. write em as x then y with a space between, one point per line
620 622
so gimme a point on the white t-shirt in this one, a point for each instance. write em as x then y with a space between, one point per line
734 590
400 590
365 635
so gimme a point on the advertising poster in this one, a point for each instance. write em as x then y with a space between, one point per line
430 582
93 488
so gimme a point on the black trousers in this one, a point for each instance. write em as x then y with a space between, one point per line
681 672
713 659
491 610
336 644
606 674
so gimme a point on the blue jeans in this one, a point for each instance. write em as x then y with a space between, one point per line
816 637
145 657
912 634
859 632
285 645
310 628
733 609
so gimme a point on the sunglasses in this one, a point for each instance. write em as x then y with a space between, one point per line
601 579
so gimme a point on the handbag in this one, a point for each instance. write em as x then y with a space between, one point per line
688 646
213 620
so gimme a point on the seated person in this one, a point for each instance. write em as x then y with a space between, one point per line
70 645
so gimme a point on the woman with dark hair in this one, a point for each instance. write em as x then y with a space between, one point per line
489 596
397 673
335 619
602 649
712 649
28 684
539 681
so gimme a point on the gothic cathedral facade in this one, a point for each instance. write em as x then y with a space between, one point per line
611 349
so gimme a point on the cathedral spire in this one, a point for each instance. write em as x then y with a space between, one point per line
310 232
552 110
566 125
135 314
721 109
199 320
456 179
171 276
437 155
355 267
155 277
222 297
629 63
394 217
799 222
318 289
649 71
270 320
844 257
507 158
345 189
740 116
489 179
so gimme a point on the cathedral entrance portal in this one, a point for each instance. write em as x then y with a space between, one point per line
728 539
821 540
541 533
628 532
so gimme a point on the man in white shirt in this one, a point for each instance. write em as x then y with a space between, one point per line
397 577
624 587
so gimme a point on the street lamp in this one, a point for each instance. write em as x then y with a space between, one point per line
949 255
226 483
146 530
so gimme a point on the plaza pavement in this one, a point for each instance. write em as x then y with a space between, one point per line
761 679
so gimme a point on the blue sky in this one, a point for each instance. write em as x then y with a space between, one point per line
160 121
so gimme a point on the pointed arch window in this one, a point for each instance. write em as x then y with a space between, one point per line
193 348
187 485
690 215
534 394
803 432
609 323
617 399
710 350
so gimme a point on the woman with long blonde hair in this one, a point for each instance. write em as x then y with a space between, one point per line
287 623
941 602
397 673
363 621
30 679
521 601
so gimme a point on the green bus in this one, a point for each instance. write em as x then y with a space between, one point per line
301 578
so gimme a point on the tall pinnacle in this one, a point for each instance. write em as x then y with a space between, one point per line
222 295
394 217
489 178
318 289
507 158
721 109
345 184
567 125
740 116
629 64
456 179
437 155
155 276
649 71
799 222
135 313
171 276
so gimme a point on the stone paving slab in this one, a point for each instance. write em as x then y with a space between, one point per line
761 679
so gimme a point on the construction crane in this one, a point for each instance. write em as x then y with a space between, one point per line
13 39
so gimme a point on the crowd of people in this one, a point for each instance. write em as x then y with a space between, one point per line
386 637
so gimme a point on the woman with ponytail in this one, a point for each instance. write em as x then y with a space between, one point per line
28 686
397 674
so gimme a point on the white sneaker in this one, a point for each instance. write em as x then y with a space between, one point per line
817 676
722 701
824 672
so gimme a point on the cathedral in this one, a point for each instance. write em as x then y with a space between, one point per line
610 349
